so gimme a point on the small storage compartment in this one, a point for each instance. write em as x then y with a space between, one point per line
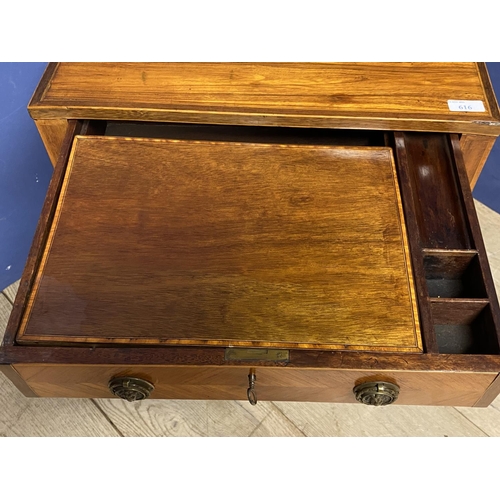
439 210
452 274
461 312
475 335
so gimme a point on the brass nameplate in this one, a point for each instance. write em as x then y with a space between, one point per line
233 354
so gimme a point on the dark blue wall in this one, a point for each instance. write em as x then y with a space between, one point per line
487 189
25 168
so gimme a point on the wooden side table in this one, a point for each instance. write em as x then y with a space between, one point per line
300 232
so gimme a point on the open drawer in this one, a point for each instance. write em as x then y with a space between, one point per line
313 247
215 243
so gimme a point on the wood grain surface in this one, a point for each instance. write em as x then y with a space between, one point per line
214 356
41 234
441 216
273 384
226 244
475 149
20 416
52 133
383 96
456 311
440 263
413 219
491 393
492 327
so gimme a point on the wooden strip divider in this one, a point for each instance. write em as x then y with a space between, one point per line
452 274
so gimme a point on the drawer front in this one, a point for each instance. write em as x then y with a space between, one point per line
272 383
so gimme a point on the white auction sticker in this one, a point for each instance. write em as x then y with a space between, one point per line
467 106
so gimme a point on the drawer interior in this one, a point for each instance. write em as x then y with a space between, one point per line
266 237
453 274
470 334
456 289
235 133
159 241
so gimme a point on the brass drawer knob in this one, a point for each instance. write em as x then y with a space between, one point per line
376 393
130 388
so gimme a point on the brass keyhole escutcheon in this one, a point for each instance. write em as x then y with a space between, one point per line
130 388
376 393
251 392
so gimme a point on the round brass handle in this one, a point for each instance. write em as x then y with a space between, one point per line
130 388
376 393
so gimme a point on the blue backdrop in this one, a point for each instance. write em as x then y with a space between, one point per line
25 168
487 189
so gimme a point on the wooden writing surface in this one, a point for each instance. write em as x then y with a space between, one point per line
212 243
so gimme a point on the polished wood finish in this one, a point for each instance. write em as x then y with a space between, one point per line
475 231
441 219
490 394
41 234
463 311
457 276
475 150
10 372
229 244
410 204
447 311
45 82
488 88
52 133
291 109
382 96
315 360
200 356
273 384
447 263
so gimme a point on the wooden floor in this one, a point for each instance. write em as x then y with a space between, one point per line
20 416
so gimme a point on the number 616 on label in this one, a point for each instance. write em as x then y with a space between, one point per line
466 106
